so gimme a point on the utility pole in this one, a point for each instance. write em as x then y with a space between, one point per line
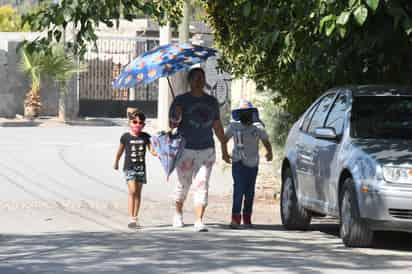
164 97
184 37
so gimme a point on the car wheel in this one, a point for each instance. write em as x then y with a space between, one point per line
353 230
294 216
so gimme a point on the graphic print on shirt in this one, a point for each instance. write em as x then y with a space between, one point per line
138 154
135 147
200 115
239 143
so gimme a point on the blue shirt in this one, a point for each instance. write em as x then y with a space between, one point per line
198 116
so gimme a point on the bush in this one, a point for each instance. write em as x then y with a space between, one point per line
277 120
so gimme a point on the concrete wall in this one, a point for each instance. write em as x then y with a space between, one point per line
14 85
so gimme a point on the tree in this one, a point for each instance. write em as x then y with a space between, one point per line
32 65
86 15
64 66
57 65
297 49
10 20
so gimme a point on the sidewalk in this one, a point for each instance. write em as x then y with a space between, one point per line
46 121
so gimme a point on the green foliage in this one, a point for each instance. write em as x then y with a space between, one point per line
56 65
10 20
86 15
32 65
298 49
277 120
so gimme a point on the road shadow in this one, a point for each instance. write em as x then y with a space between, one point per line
384 240
170 251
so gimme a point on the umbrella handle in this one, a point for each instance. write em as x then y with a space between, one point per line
171 88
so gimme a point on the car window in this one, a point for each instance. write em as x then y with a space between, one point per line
382 117
336 116
308 117
321 112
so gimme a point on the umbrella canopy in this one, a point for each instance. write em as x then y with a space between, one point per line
163 61
169 147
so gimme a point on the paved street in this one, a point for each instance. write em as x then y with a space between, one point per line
63 210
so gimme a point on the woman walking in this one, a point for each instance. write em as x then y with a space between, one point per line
196 115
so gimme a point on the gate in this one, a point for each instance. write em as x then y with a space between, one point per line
98 98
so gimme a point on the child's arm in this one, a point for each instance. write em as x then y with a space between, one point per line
119 153
268 147
266 143
228 133
151 150
225 155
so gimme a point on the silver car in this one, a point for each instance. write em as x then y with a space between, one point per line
350 156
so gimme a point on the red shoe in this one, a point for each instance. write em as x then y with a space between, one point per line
236 219
247 221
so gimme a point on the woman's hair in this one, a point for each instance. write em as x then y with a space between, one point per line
193 71
137 114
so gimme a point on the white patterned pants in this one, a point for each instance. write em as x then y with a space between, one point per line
195 167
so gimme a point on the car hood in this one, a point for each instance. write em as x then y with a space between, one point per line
396 152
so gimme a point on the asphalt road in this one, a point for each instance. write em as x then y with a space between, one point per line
63 210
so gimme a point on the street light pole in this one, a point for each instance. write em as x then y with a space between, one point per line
164 97
184 37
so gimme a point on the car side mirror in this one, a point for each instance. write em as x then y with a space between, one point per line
326 133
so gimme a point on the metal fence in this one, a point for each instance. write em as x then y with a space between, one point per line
105 63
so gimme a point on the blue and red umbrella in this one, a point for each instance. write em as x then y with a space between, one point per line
160 62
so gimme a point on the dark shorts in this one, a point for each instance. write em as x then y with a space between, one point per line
135 175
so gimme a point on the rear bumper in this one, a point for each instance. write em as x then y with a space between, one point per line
387 209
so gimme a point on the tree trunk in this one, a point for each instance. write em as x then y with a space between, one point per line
63 115
32 105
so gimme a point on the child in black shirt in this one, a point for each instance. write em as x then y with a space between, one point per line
134 143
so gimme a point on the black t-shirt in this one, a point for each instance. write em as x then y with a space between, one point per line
135 151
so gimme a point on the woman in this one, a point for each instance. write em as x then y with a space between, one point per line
198 116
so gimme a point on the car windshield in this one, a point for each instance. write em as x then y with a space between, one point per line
382 117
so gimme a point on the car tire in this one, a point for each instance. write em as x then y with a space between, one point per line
353 230
294 216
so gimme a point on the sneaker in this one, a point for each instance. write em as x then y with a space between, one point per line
178 221
247 221
138 224
132 225
235 223
200 227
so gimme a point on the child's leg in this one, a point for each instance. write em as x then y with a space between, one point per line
249 194
238 187
138 199
132 201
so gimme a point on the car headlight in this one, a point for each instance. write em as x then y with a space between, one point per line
397 174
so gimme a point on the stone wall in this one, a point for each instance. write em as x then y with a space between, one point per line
14 84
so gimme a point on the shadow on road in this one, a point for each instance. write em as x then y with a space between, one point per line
161 250
384 240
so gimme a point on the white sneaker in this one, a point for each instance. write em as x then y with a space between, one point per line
178 221
200 227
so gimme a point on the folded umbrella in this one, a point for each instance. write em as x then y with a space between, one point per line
169 148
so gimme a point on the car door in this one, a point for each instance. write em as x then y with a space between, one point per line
326 155
305 150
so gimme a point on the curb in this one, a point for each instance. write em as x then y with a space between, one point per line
20 124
